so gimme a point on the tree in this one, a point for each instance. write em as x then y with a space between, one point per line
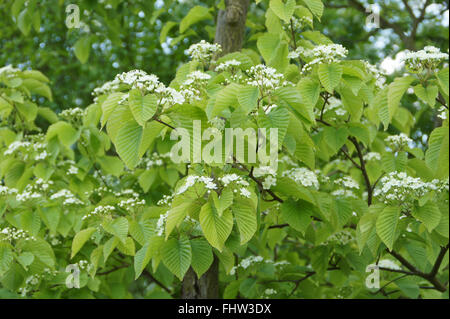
138 195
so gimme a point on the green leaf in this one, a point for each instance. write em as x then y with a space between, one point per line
175 216
330 75
316 7
80 239
428 94
436 157
202 256
196 14
143 255
396 90
283 11
6 257
165 31
335 138
429 214
66 134
274 50
109 106
387 225
24 21
309 90
142 107
248 98
245 214
82 49
216 228
117 227
177 256
296 214
128 141
442 77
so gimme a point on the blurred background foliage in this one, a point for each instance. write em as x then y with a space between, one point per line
117 36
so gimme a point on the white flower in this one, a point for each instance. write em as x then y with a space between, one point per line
387 263
326 53
428 58
372 156
266 78
269 181
160 224
228 65
347 182
203 51
303 176
100 211
443 113
397 142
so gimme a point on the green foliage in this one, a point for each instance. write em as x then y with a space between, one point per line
98 187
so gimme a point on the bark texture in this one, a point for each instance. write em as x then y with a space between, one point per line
205 287
230 32
230 29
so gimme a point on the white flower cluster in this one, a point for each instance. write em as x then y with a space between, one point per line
67 196
387 263
155 159
15 146
251 260
5 190
169 96
229 65
247 262
265 78
300 23
165 200
344 193
106 88
11 233
398 187
100 211
161 223
269 173
428 58
73 114
377 74
270 292
73 170
192 179
32 191
8 71
238 180
147 83
347 182
336 106
131 203
203 51
325 53
138 79
303 176
190 89
372 156
342 237
398 142
443 113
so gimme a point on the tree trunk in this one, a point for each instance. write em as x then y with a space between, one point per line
205 287
230 33
230 29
